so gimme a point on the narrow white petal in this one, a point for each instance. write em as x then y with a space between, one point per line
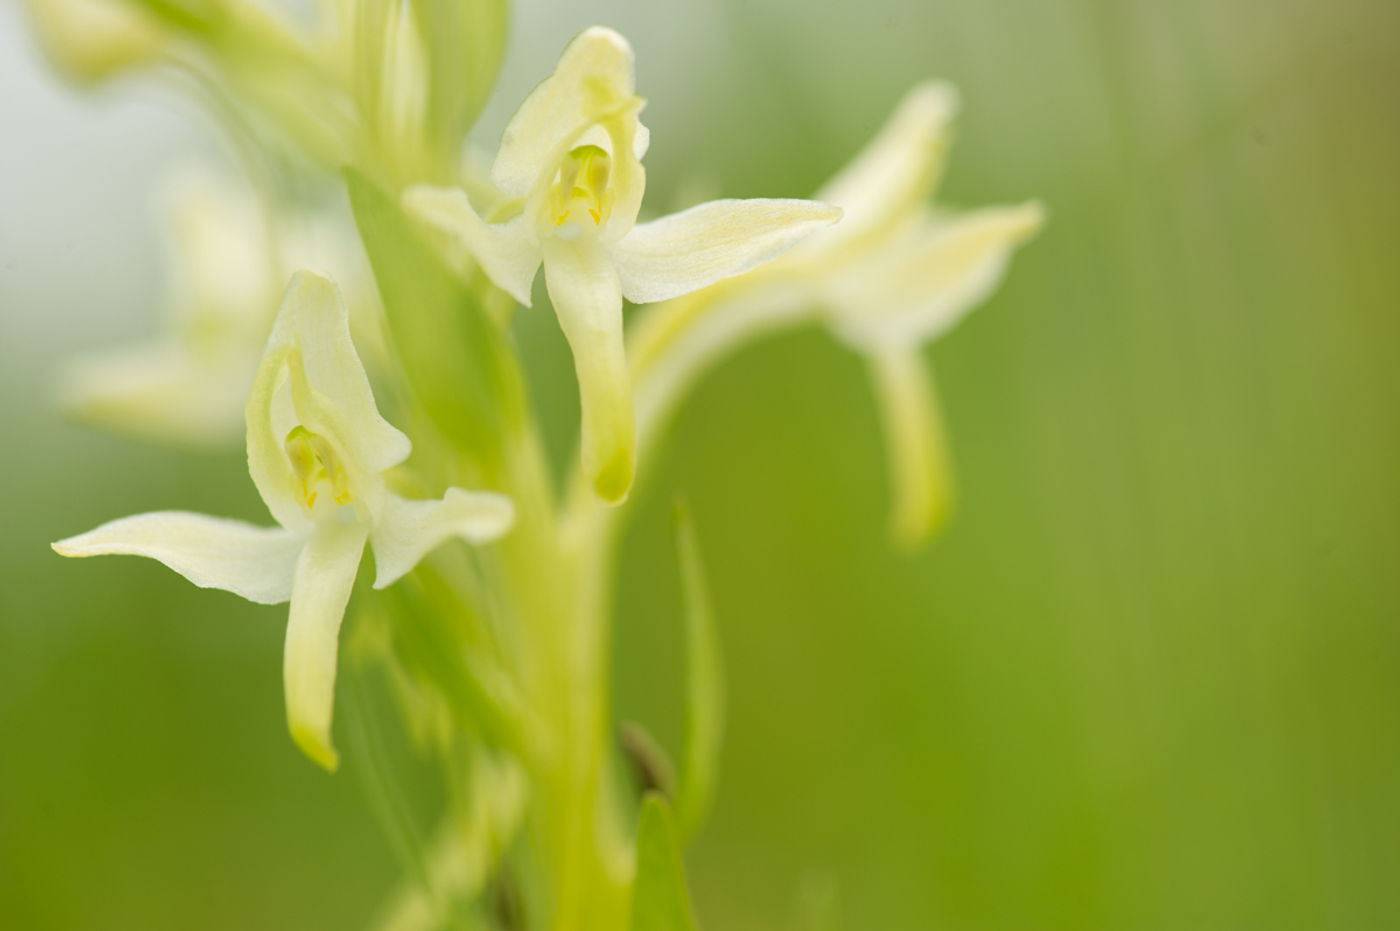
688 250
920 472
584 288
408 530
325 574
254 562
162 392
594 74
503 250
925 282
899 169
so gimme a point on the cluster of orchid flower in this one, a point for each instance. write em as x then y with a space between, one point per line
516 668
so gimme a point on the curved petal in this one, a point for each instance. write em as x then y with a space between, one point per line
917 289
900 167
583 286
594 74
256 563
697 247
315 321
628 141
921 478
310 374
409 530
267 459
503 250
325 573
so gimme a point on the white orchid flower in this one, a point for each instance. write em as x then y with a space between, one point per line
190 384
317 450
897 274
229 257
570 169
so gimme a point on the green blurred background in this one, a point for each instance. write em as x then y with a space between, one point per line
1148 679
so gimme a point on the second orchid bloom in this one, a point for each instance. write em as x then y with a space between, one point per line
571 181
317 450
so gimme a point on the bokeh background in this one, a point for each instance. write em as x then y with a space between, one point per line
1148 679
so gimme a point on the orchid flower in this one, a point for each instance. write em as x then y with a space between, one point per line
894 275
317 451
897 274
569 168
229 256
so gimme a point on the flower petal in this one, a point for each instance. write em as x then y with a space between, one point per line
315 320
920 286
686 251
920 472
330 391
91 40
409 530
899 169
325 573
583 286
212 552
503 250
594 74
161 391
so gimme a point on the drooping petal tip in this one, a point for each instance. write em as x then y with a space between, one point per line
920 468
325 574
315 746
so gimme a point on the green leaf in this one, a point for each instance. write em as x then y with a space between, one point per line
660 900
464 372
704 709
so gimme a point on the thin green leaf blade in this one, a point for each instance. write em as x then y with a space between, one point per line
466 43
660 899
705 704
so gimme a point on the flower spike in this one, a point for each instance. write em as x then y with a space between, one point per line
317 452
570 163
